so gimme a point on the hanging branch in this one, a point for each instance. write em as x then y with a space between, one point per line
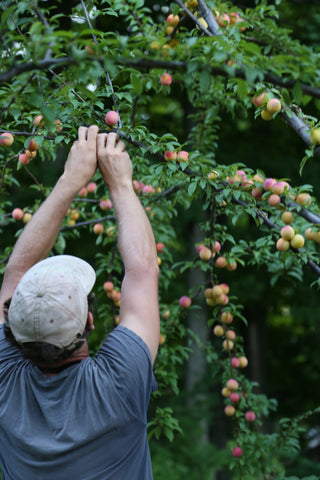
207 14
87 222
114 99
195 19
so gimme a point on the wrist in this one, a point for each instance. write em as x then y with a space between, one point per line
68 185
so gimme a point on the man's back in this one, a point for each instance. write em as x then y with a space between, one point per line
86 422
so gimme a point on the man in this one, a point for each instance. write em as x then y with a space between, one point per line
65 415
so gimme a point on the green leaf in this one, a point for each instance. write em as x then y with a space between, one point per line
137 83
297 92
204 80
192 188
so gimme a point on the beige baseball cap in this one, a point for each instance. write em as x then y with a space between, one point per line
50 302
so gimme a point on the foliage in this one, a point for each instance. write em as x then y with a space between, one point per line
73 63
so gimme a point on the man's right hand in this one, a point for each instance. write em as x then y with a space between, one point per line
81 163
113 161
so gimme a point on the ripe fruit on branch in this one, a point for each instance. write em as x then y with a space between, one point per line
111 231
105 204
226 317
267 184
232 384
315 136
6 139
235 362
229 410
111 117
170 156
280 187
231 265
297 241
83 192
38 121
310 234
274 200
282 245
223 20
185 302
216 247
225 392
33 146
221 262
31 154
26 217
165 79
203 23
205 253
160 247
230 335
259 100
191 4
213 175
243 362
58 125
91 187
17 213
250 416
148 189
266 115
234 17
217 292
182 156
287 232
108 286
173 20
274 105
237 452
98 228
227 344
287 217
234 397
303 199
218 331
24 159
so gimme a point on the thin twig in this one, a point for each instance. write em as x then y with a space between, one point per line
102 63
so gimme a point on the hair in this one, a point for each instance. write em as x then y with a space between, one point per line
44 353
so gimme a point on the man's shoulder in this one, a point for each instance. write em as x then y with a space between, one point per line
125 340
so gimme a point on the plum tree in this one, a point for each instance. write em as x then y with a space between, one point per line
202 156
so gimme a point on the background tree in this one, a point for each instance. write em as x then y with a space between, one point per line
180 79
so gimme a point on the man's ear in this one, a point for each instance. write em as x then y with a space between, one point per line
90 321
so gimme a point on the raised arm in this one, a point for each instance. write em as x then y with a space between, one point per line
40 233
139 310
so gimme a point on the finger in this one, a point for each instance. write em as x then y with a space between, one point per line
121 146
112 139
82 134
92 133
101 140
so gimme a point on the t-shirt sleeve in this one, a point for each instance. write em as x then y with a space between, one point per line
9 353
127 359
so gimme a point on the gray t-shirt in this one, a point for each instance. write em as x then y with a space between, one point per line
87 422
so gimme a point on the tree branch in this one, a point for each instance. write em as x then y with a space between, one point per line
19 68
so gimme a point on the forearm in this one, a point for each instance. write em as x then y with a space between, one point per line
40 233
135 236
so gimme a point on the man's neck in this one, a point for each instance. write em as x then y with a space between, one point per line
76 357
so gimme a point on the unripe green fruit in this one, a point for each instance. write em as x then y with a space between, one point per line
315 136
297 241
